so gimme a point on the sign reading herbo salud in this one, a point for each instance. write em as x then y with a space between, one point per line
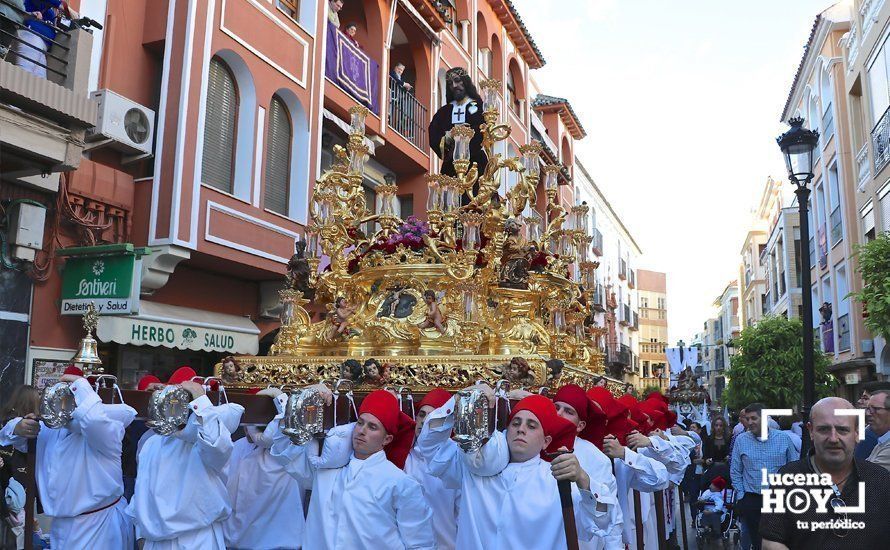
109 281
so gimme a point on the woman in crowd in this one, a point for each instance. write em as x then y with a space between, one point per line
24 400
715 450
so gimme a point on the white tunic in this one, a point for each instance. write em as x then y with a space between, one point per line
641 473
79 477
267 503
442 500
367 504
517 507
599 468
181 498
674 454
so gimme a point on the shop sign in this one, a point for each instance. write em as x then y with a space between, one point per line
181 336
110 282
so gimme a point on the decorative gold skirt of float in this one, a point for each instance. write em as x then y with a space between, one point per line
467 296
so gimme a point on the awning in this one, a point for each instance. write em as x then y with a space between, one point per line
181 327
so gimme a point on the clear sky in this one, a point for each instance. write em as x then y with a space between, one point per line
681 101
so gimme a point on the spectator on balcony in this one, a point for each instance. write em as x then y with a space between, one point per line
397 74
12 15
350 31
334 7
34 40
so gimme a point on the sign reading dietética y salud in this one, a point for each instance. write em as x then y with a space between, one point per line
109 281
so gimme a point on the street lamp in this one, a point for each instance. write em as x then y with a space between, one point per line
798 145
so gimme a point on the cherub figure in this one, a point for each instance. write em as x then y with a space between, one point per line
519 373
373 372
434 316
340 315
231 370
351 370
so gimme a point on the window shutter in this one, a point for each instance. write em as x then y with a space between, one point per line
278 158
885 211
217 167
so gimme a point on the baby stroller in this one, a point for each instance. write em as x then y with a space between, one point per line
728 536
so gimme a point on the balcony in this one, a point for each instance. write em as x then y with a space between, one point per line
837 226
597 243
436 13
862 169
351 69
407 115
618 355
827 337
635 321
880 142
622 269
45 108
599 298
632 279
720 362
823 248
625 316
843 336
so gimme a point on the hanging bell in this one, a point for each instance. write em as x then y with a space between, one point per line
88 354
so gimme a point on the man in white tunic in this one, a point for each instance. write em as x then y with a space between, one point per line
267 503
181 498
443 501
368 503
79 476
633 472
519 506
573 405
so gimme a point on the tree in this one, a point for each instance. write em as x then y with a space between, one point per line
768 367
874 266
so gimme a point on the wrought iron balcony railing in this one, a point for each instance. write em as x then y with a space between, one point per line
880 142
407 116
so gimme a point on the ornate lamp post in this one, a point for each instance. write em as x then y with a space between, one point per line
798 144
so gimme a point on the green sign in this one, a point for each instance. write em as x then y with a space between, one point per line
110 281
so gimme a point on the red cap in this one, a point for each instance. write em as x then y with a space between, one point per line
656 416
253 391
559 429
385 407
435 399
719 483
620 425
146 381
659 396
182 374
593 416
71 369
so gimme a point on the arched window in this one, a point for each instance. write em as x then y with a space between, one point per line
814 115
825 90
218 165
278 153
514 99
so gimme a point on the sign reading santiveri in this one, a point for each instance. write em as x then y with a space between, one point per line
107 276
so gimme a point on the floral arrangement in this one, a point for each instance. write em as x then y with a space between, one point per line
410 234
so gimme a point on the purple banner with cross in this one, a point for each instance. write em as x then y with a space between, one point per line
351 69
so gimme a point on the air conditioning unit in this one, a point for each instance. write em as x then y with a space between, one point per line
129 125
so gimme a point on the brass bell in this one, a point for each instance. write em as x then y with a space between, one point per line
88 354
